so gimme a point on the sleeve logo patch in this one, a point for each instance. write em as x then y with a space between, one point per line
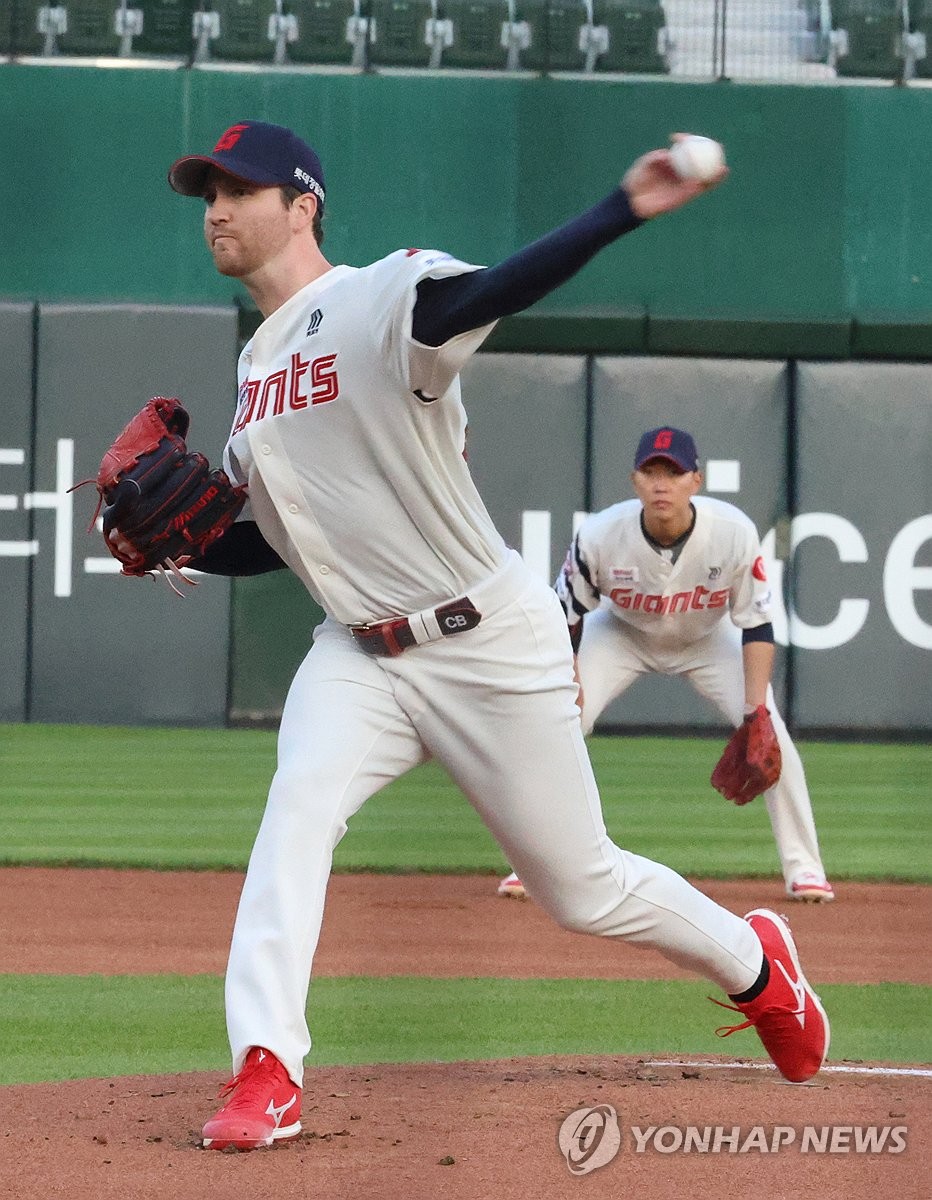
758 570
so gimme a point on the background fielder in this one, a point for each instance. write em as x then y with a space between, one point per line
653 579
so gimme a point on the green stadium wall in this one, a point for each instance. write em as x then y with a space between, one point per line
818 248
819 244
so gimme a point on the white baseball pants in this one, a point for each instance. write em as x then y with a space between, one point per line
612 655
496 707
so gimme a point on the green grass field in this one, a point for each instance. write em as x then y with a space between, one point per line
193 798
73 1027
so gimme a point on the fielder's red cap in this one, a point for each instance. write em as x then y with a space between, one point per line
256 152
668 443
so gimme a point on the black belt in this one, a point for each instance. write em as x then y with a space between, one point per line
394 636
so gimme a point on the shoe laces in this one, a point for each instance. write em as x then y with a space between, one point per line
724 1031
247 1083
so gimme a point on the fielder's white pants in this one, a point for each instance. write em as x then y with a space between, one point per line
496 707
613 654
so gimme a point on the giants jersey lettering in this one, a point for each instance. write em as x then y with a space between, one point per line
350 436
270 396
719 570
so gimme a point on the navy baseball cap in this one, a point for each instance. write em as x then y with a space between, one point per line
256 152
672 444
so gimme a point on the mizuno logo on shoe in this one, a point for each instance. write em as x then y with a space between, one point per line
277 1113
799 991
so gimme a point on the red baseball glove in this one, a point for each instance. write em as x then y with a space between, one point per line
751 762
164 500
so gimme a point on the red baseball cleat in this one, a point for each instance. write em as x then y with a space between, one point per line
262 1098
787 1015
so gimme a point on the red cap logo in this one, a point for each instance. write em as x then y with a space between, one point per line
229 139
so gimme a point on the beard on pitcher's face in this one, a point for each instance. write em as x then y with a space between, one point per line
245 226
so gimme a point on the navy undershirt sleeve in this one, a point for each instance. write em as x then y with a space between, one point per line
242 550
447 307
760 633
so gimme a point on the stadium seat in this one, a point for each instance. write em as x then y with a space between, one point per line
920 12
398 33
91 28
75 27
36 26
476 33
814 42
240 30
554 27
327 31
867 38
20 35
166 29
635 32
6 27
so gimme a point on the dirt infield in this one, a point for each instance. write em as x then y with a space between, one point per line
127 922
476 1131
388 1132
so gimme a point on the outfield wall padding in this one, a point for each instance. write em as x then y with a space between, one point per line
862 560
823 220
106 649
16 520
830 459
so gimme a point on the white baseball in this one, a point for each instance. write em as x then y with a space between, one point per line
696 157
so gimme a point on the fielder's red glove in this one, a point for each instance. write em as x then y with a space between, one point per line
751 762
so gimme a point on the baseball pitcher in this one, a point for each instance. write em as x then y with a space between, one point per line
348 436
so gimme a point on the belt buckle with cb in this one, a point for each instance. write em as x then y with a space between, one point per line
394 636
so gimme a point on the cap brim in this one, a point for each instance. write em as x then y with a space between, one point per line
659 454
188 176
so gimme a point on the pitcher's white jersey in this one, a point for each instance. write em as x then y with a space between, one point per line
350 436
719 570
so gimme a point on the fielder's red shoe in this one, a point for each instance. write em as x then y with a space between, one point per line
811 888
787 1015
265 1106
512 886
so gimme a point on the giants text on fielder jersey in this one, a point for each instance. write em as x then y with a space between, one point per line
719 572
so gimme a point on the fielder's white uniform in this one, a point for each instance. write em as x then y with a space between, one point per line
656 611
350 436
